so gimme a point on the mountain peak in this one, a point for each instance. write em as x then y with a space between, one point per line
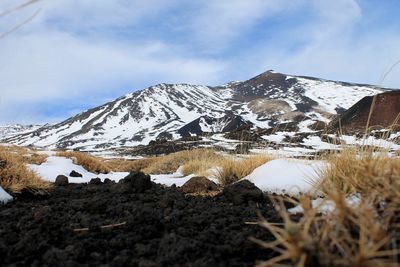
162 110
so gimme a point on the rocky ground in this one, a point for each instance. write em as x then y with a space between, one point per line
134 223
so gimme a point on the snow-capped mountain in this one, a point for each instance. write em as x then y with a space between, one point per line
7 131
176 110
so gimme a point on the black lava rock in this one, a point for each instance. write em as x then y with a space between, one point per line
75 174
86 225
61 180
95 181
242 192
2 163
108 181
137 181
199 184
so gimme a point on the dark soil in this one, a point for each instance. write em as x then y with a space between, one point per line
150 226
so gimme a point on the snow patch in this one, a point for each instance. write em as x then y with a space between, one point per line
328 206
55 166
286 176
4 196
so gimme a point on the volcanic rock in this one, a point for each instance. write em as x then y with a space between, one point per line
108 181
242 192
199 184
61 180
75 174
96 181
137 181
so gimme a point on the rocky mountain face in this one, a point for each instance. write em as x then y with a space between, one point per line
172 111
383 113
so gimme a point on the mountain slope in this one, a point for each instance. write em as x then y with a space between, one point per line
7 131
385 114
162 110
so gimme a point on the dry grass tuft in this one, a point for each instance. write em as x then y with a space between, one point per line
358 170
35 158
170 163
201 166
365 234
15 149
14 174
29 156
90 163
201 161
232 170
349 236
127 165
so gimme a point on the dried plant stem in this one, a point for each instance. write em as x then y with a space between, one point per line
18 7
15 28
108 226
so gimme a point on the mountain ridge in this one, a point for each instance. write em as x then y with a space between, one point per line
161 110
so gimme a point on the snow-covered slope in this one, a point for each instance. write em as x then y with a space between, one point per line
161 111
7 131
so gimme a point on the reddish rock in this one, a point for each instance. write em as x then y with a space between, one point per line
199 184
385 112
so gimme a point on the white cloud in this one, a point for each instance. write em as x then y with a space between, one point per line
217 23
43 63
81 15
50 65
333 47
76 50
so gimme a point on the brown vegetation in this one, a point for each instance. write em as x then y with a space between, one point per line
90 163
365 234
170 163
35 158
226 169
127 165
14 174
358 170
232 170
200 161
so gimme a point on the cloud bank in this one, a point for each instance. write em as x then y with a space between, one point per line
77 54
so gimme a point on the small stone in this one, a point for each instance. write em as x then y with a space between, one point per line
166 202
2 163
96 181
243 192
61 180
108 181
199 184
75 174
138 181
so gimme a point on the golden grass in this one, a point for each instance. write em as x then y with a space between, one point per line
35 158
14 174
201 166
231 170
15 149
170 163
29 156
200 161
90 163
127 165
358 170
352 235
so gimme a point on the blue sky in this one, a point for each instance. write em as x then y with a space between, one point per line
77 54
